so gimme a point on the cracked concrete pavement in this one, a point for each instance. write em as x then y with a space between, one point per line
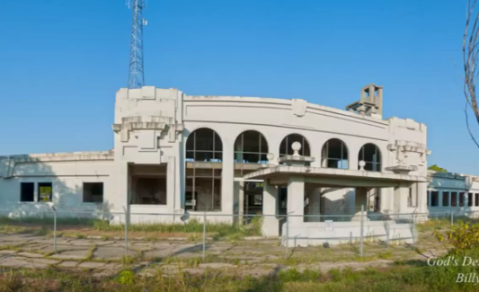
258 257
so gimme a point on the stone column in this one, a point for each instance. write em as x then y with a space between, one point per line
270 225
400 199
295 206
170 185
360 200
120 197
422 197
227 178
314 205
241 201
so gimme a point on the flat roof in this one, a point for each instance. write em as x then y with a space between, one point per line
332 173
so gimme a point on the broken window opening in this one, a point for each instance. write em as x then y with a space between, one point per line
371 155
203 178
445 199
92 192
204 145
149 184
27 192
251 147
453 199
434 199
461 199
45 192
286 145
335 154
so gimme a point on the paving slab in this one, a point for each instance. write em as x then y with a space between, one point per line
149 272
169 269
7 252
142 246
216 266
80 242
103 273
14 262
30 255
91 265
111 253
72 254
40 263
106 242
158 253
112 266
68 264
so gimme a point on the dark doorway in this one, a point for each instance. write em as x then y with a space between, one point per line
253 199
282 206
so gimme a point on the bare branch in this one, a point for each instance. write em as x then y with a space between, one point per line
470 57
469 128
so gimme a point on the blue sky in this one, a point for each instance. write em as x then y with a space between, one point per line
62 62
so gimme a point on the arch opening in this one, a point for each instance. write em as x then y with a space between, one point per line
334 154
203 158
286 149
371 155
251 147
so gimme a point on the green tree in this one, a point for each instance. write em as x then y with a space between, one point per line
437 168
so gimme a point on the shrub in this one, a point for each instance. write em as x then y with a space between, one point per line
464 236
126 277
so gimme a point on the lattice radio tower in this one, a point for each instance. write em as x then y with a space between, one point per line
136 75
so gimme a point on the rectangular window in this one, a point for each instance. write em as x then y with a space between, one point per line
428 202
469 199
149 191
477 199
445 199
27 192
148 184
434 199
203 189
45 192
453 199
461 199
92 192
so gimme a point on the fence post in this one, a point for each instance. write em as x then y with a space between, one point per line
204 236
452 218
54 229
387 234
413 227
361 236
287 235
126 231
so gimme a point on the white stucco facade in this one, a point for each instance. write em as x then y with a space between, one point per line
154 168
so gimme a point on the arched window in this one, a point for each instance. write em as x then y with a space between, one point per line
285 147
251 147
204 153
204 145
334 154
370 154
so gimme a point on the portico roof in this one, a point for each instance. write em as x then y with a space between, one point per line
333 177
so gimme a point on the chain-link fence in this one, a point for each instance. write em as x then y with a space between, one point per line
210 237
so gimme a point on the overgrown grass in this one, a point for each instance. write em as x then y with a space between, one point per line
416 277
220 230
48 220
192 226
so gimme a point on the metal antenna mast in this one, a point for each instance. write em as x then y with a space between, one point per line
136 75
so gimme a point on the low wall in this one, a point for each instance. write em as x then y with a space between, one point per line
319 233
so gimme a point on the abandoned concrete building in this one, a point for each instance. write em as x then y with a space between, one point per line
230 157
